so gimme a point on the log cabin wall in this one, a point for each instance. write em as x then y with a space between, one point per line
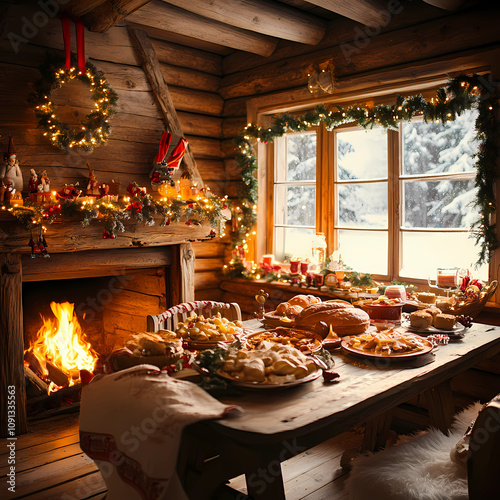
192 75
420 47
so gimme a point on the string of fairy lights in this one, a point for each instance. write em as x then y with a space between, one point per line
461 93
193 212
95 126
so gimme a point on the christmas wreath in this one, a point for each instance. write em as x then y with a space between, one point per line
95 126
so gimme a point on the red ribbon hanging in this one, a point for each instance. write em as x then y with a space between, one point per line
175 158
80 44
67 40
164 145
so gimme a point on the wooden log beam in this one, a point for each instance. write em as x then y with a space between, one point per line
12 388
445 4
169 18
78 8
371 13
154 74
262 16
412 44
111 13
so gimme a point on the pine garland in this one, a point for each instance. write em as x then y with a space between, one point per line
113 214
95 126
462 93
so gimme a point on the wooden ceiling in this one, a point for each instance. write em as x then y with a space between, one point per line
252 26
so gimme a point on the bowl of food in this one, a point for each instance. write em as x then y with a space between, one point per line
383 308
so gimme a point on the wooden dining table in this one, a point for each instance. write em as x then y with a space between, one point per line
275 425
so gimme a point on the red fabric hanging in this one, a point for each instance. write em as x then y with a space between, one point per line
67 40
164 145
80 44
175 158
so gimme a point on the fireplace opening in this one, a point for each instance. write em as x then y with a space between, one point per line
71 325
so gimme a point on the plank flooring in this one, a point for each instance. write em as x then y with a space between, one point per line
50 465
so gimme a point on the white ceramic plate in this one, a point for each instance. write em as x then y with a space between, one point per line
431 330
259 385
361 352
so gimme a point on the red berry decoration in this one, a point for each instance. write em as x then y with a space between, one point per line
465 320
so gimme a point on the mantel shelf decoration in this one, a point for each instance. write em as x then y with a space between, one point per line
142 208
462 93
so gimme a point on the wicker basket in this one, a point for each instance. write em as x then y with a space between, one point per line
474 308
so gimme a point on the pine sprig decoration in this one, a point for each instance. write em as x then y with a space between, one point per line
461 93
95 126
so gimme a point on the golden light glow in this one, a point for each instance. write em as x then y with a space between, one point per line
62 343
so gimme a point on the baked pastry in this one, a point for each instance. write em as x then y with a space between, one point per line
426 297
343 318
434 311
303 300
445 321
421 319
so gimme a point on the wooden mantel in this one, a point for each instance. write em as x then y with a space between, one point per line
69 235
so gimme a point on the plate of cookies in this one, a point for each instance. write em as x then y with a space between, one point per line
432 320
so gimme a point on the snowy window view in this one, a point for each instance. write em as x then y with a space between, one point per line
295 195
433 181
362 199
437 194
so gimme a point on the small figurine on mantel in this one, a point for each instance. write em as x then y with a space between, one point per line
93 185
33 182
164 168
10 168
44 182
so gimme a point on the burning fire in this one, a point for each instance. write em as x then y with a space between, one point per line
61 343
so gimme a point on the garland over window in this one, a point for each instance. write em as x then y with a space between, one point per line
95 126
461 93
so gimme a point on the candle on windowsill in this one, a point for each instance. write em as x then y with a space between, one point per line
268 259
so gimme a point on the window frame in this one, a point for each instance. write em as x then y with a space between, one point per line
325 201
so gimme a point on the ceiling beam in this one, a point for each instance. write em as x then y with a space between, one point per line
152 69
158 14
111 13
78 8
261 16
446 4
373 13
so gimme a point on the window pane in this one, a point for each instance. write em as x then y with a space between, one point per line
300 164
363 205
362 154
364 251
295 205
423 253
437 148
292 242
446 204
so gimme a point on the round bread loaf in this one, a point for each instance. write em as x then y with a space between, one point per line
421 319
303 300
343 317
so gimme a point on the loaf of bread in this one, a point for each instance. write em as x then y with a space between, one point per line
427 297
421 319
444 321
303 300
342 316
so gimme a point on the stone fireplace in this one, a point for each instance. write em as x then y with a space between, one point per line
114 285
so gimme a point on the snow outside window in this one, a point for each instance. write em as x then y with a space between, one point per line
402 201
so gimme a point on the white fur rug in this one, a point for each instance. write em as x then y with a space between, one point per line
418 468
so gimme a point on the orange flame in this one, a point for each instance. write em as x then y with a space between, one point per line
62 343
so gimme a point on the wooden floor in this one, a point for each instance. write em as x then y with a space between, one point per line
50 465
